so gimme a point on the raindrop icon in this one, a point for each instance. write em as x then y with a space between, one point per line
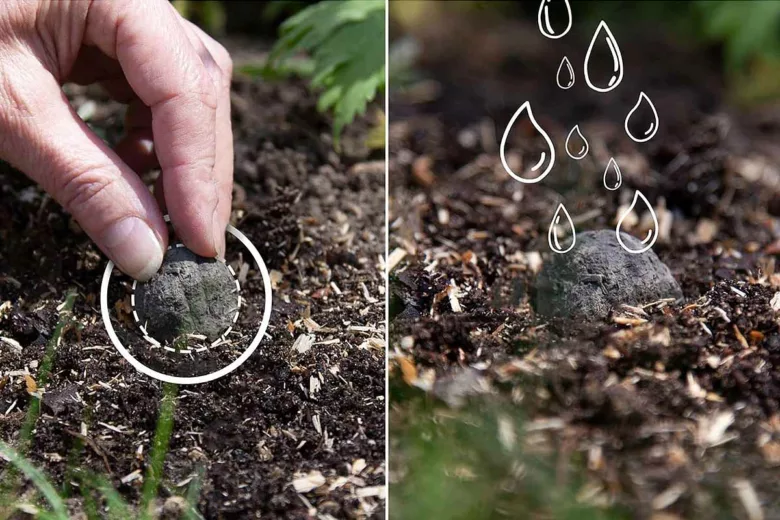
546 159
603 32
652 123
576 144
612 177
544 18
565 74
652 234
555 227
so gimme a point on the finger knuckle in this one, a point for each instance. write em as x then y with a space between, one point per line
224 61
15 102
208 94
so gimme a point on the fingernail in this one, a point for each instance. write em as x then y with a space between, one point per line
134 247
219 236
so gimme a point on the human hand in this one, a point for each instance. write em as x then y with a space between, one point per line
176 81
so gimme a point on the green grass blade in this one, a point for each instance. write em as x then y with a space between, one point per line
90 506
117 508
193 495
162 436
34 411
10 483
60 512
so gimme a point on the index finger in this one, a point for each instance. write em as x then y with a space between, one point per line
166 73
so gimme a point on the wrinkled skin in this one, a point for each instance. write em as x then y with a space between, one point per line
175 80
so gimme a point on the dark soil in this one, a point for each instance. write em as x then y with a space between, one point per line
317 218
646 389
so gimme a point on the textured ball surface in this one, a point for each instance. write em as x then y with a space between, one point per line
598 275
190 294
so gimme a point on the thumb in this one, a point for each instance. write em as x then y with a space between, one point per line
45 138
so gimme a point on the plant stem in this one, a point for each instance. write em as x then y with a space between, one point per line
26 434
162 436
10 485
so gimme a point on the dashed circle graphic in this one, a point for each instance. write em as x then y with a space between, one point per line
179 380
217 342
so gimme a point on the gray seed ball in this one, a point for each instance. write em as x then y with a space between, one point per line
190 294
598 275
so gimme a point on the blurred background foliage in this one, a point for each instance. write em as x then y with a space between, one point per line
338 45
345 42
746 34
477 463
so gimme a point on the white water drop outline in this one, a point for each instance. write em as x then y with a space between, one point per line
617 59
613 162
565 61
651 233
653 126
544 20
527 107
552 236
584 151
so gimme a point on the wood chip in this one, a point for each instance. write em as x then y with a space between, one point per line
421 171
669 496
628 320
135 475
453 293
740 338
303 343
314 386
308 482
738 292
775 302
276 278
696 391
395 258
372 491
747 495
712 430
358 466
408 369
706 231
771 453
32 386
11 343
5 308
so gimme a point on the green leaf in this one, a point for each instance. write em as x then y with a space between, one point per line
746 29
346 43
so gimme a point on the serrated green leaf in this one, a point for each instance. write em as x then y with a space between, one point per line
346 41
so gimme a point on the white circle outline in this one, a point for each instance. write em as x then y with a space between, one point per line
197 379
